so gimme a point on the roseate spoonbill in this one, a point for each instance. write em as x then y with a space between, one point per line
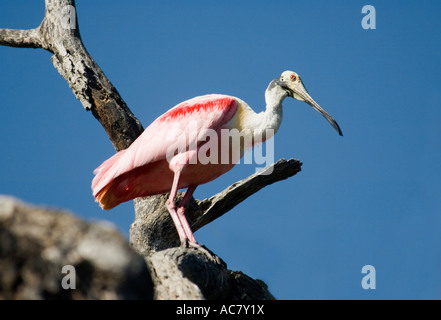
144 169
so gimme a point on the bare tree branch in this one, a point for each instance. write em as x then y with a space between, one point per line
227 199
20 38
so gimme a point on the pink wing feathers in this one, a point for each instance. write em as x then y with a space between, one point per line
191 117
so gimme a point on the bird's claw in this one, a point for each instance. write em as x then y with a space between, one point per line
202 248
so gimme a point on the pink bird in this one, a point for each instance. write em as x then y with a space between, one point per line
169 155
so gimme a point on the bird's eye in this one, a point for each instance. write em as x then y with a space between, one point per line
293 77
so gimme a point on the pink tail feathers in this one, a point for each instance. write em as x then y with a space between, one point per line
104 176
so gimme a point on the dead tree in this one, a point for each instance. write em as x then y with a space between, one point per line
175 270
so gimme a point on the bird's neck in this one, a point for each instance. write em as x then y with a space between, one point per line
263 125
271 119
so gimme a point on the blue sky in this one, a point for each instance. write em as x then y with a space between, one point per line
372 197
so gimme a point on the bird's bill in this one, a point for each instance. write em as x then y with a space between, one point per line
300 93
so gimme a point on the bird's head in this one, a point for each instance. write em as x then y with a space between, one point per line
289 84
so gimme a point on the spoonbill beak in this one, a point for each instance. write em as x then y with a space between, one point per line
298 92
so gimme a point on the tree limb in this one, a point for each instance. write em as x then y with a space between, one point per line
227 199
20 38
153 230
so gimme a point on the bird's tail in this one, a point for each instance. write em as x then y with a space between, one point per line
102 182
104 198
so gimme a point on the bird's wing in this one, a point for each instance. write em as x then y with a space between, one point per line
175 130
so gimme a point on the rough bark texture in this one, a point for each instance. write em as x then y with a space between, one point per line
176 272
59 33
35 244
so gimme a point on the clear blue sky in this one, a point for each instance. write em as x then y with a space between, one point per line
372 197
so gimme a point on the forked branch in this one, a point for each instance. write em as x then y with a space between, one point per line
152 229
59 34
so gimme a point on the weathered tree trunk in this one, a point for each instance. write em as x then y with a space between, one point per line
177 273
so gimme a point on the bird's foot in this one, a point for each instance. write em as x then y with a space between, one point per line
205 250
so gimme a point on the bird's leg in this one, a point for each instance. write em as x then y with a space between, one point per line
181 214
171 206
185 234
191 239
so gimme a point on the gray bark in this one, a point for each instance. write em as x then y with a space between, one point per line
59 35
177 273
36 243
